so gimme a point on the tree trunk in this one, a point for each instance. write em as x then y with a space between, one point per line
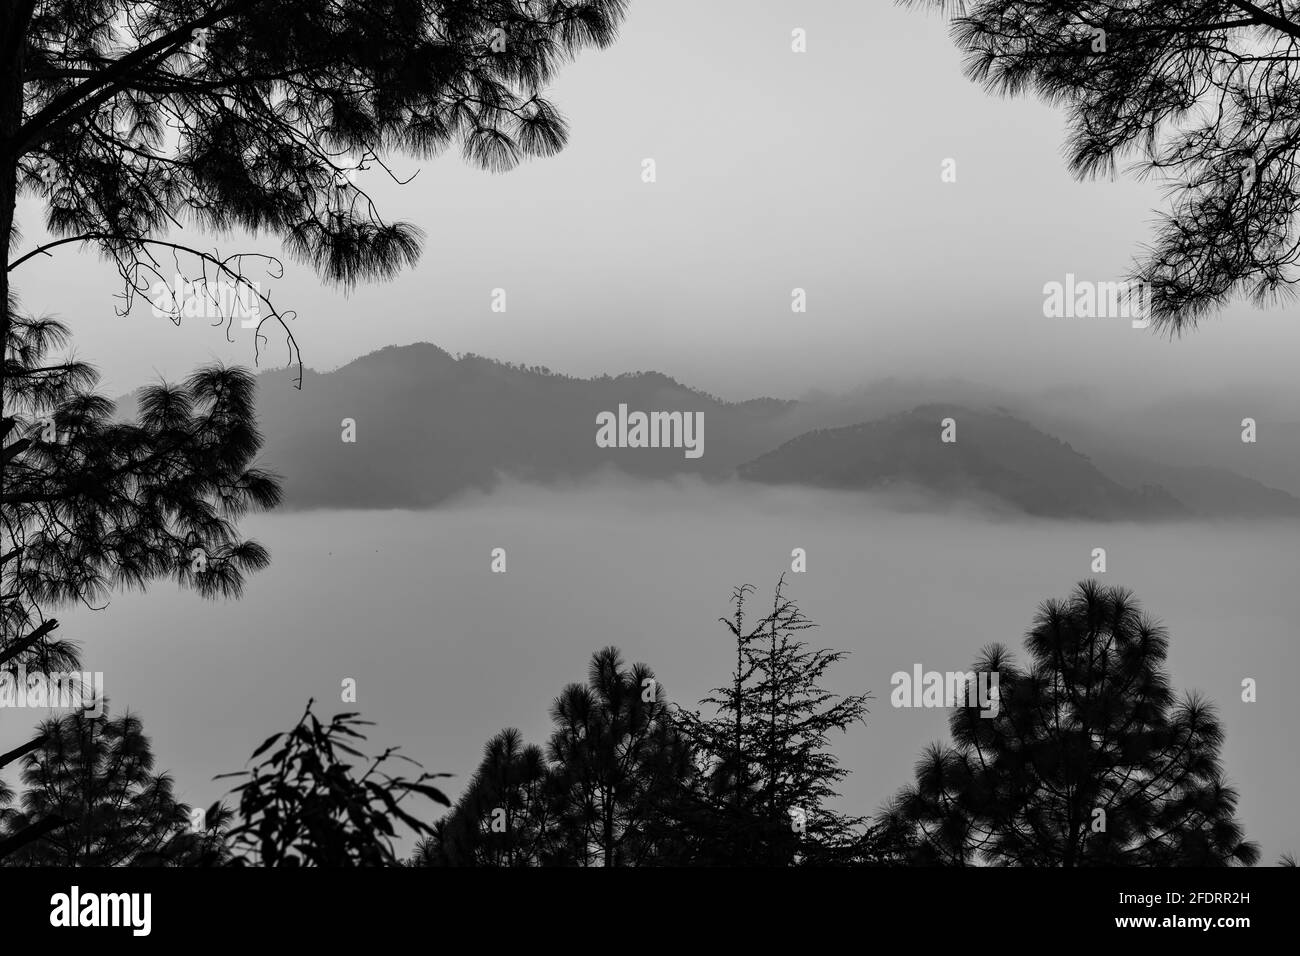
15 15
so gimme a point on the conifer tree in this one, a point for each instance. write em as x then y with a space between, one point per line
1090 760
766 776
617 762
139 122
1132 77
504 817
95 773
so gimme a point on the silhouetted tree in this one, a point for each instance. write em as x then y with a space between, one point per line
1089 760
128 117
304 806
1132 75
211 843
90 503
598 796
617 761
765 774
504 818
96 773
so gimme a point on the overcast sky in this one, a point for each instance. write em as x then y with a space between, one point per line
775 170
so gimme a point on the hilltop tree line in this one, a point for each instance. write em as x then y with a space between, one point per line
1090 760
547 372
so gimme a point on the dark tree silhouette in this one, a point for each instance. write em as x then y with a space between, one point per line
1090 759
304 806
505 816
765 776
128 118
1203 95
600 796
90 503
131 117
617 761
96 773
630 780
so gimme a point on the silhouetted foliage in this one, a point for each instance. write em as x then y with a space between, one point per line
765 776
127 119
304 805
90 503
601 796
1090 725
96 773
131 117
1132 76
617 761
504 818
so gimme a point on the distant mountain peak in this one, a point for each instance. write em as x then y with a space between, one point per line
996 454
413 356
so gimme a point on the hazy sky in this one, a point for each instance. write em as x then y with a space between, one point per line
775 170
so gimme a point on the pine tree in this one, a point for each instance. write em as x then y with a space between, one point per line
133 119
96 773
90 502
504 817
617 761
1090 759
600 794
1131 76
93 503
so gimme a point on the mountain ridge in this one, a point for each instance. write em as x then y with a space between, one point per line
430 425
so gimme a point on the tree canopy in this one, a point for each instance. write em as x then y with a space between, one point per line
1091 759
134 118
96 773
600 794
91 502
1201 96
766 777
306 804
137 124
